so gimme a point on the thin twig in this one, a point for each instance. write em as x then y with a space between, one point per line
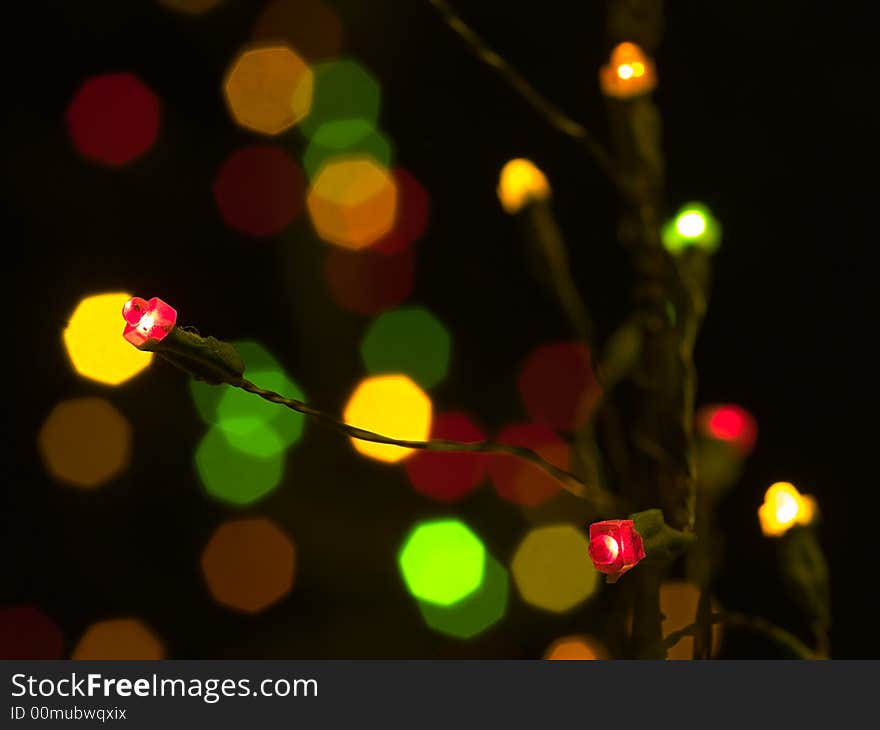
544 234
603 501
703 632
652 433
823 641
752 623
551 113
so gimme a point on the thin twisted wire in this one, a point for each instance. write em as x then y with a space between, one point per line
601 499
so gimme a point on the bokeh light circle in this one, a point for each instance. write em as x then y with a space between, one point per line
576 647
308 26
119 639
268 89
346 138
558 386
256 358
678 604
449 476
249 564
520 481
475 613
252 437
85 442
412 214
26 632
233 475
368 283
352 202
251 424
259 190
391 405
442 561
343 89
552 568
94 343
239 412
409 340
114 118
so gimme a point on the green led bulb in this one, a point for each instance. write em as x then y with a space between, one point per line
693 226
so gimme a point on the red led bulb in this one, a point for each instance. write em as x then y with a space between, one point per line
615 547
147 320
728 423
134 309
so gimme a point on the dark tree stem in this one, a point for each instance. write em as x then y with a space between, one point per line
647 633
756 624
650 424
668 306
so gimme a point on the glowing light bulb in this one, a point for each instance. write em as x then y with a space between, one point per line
693 226
147 321
521 183
615 547
729 423
784 507
808 510
133 310
629 73
604 550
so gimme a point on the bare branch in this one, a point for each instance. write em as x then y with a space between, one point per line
752 623
551 113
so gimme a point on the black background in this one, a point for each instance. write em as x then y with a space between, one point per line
768 118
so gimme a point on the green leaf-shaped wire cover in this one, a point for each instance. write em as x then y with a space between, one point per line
251 424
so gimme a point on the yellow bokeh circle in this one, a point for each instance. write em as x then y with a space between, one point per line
85 442
119 639
392 405
269 89
552 568
353 202
678 604
94 343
